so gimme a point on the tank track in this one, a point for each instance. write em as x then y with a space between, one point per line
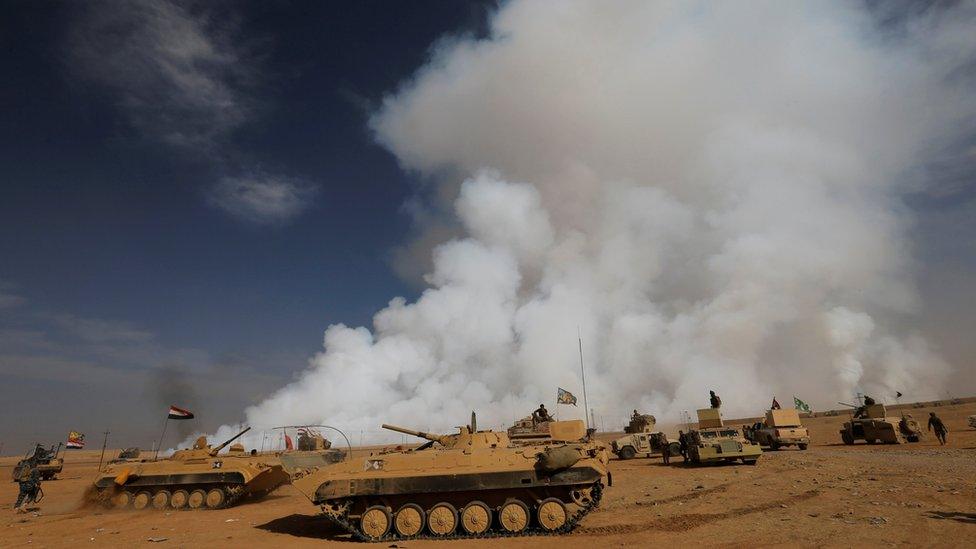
343 522
234 493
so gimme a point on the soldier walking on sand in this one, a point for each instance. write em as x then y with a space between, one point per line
935 423
30 483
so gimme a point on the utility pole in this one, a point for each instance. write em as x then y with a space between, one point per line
104 444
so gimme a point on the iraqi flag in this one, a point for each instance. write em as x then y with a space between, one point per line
76 440
179 413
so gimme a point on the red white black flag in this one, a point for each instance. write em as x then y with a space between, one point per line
76 440
179 413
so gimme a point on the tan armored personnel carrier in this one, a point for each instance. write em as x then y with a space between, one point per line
779 428
715 442
189 479
527 431
312 450
47 462
872 425
643 440
470 484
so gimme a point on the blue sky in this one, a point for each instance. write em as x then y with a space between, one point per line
125 248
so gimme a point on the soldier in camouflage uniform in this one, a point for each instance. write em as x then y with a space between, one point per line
30 484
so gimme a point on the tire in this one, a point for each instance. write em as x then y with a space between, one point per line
750 461
847 438
442 519
409 520
551 514
475 518
627 452
178 499
375 522
802 446
514 516
774 445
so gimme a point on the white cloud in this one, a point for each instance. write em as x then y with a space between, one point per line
262 199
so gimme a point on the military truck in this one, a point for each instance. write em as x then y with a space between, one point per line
779 428
47 462
643 440
714 442
872 424
527 431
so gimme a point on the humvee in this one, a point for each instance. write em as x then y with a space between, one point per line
641 440
715 442
872 424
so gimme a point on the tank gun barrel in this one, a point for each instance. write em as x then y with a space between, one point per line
421 434
846 404
216 450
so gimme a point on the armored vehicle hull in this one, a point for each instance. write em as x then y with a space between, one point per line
714 442
191 479
872 425
474 484
647 444
780 428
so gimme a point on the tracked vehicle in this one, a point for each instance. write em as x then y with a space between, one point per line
528 432
470 484
47 462
198 478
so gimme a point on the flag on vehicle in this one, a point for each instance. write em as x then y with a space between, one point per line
800 405
775 405
565 397
179 413
288 443
75 440
897 394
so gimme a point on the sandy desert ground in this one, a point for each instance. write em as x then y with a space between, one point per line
830 495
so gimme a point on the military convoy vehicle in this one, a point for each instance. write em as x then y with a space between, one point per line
312 450
714 442
470 484
643 440
189 479
47 462
527 431
127 454
872 424
779 428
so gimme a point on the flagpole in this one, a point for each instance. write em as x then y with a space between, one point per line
104 444
586 407
161 437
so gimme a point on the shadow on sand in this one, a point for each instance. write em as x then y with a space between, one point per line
306 526
968 518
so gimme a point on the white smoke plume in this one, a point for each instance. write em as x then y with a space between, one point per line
712 192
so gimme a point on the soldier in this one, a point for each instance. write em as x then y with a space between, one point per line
666 454
683 445
939 427
541 414
30 483
868 401
714 399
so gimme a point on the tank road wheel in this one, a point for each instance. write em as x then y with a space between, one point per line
216 498
160 500
122 499
442 519
178 499
375 522
476 518
551 514
196 499
582 497
514 516
409 520
627 452
141 501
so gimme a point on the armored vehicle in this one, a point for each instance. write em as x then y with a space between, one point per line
872 425
47 462
313 450
527 431
642 439
780 428
470 484
190 479
127 454
714 442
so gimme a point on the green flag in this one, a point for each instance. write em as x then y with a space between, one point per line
800 405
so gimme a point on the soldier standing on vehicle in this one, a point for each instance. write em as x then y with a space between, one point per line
683 444
541 414
714 399
30 483
935 423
